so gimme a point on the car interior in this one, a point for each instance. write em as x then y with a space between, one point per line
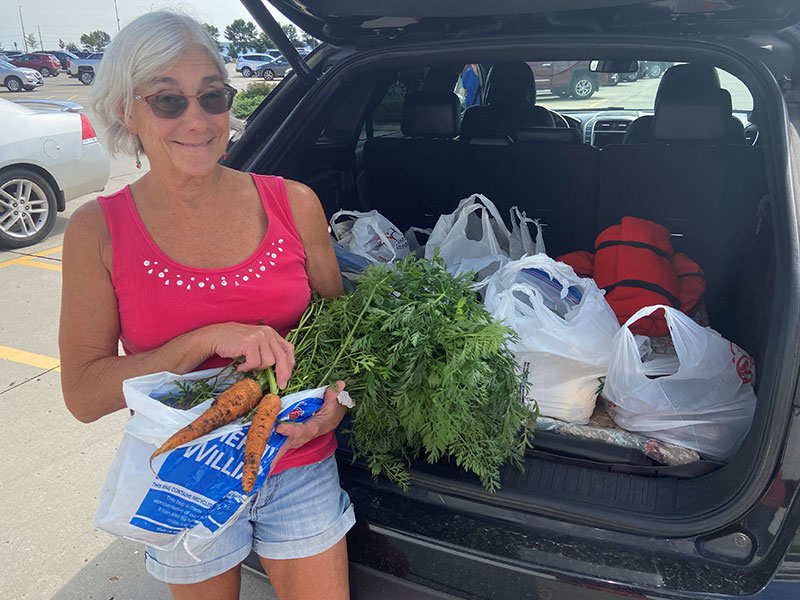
398 138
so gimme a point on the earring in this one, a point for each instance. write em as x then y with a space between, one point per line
224 155
138 162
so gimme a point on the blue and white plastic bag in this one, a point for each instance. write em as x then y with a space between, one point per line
192 492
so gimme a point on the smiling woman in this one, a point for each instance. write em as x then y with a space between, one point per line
189 267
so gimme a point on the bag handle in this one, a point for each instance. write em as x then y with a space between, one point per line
538 310
478 202
676 321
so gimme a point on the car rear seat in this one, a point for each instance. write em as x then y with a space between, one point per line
413 180
704 190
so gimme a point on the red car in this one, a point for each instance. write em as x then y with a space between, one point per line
47 64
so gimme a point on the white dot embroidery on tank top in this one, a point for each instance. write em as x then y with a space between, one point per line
241 278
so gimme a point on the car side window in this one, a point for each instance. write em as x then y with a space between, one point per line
385 119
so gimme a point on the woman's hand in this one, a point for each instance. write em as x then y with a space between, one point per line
326 419
260 346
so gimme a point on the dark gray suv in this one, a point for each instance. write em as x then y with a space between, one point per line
369 121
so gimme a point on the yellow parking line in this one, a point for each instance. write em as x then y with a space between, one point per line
597 103
29 358
71 97
24 260
39 265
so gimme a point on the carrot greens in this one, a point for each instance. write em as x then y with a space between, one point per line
428 368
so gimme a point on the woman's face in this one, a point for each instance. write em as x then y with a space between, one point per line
192 143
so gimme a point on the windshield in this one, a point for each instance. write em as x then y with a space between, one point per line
6 65
566 86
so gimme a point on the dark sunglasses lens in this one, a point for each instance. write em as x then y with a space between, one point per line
168 106
216 102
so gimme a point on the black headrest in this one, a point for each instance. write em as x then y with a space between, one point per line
510 84
695 115
488 121
431 114
686 79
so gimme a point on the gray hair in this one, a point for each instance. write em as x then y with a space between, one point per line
140 52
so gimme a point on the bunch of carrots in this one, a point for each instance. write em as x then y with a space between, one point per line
241 399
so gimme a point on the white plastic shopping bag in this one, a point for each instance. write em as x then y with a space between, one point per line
474 230
706 403
369 234
521 241
565 329
193 492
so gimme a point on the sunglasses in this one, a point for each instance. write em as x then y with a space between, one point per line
172 106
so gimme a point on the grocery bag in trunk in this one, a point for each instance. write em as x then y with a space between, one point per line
369 234
194 491
565 330
705 403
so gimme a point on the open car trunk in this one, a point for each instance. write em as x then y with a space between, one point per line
584 508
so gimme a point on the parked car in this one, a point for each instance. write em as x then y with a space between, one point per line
17 79
654 68
568 78
47 64
11 53
63 57
272 69
246 63
587 519
49 154
83 68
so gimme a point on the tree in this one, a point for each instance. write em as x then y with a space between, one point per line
310 40
241 35
31 41
95 41
61 43
213 32
72 47
263 43
290 31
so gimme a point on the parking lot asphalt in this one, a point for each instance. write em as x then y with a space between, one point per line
53 466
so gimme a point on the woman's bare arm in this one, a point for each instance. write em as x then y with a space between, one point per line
322 267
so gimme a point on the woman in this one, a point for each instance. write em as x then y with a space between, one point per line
190 266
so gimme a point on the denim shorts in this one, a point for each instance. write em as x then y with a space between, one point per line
297 513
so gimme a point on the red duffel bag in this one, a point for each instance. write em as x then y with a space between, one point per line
635 264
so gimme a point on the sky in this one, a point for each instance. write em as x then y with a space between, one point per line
68 19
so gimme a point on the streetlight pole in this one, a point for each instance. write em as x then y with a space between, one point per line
24 40
116 10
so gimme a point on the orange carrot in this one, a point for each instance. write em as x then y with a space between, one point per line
260 430
233 403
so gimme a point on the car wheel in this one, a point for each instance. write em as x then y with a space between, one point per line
269 74
27 208
86 77
45 72
613 79
654 71
582 87
247 72
14 84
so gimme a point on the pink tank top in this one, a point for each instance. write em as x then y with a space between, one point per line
160 298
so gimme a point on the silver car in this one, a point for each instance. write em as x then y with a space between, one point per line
17 79
274 68
49 154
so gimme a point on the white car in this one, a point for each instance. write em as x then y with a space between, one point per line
49 154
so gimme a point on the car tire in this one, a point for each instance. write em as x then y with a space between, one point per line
45 72
655 71
247 72
583 86
14 84
268 75
86 77
613 79
32 200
